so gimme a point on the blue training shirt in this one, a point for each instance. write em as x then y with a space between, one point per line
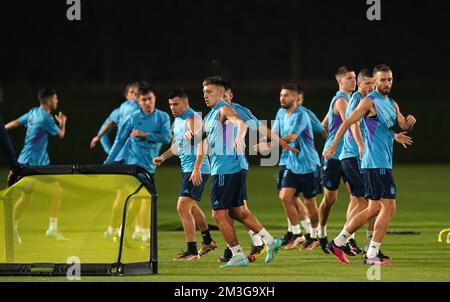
40 124
106 143
334 122
308 159
142 150
379 134
187 152
223 156
350 148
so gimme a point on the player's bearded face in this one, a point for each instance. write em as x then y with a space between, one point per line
287 98
212 94
383 82
53 102
147 102
177 106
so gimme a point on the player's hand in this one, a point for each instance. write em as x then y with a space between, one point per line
263 148
239 144
403 139
138 133
94 141
328 154
188 135
410 121
196 177
285 146
61 118
361 150
158 161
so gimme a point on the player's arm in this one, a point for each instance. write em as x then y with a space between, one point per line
172 151
403 139
121 138
364 106
62 120
13 124
106 129
228 113
357 135
406 123
274 137
164 136
325 126
202 152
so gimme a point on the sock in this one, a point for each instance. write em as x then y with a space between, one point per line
237 250
266 237
313 232
256 239
296 229
342 238
289 226
374 248
192 248
322 229
53 225
306 223
206 237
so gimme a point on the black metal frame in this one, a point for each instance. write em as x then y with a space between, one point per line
94 269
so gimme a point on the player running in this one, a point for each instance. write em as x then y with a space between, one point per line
225 137
188 122
331 169
379 113
147 129
40 124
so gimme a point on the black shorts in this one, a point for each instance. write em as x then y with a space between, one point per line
379 184
303 183
352 170
228 190
187 188
332 174
281 170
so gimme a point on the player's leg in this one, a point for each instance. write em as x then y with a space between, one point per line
311 240
113 230
184 209
289 201
19 206
258 248
55 204
289 234
302 209
388 207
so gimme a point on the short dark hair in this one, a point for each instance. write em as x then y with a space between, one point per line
144 88
381 67
364 73
293 87
341 71
45 94
214 80
177 92
226 85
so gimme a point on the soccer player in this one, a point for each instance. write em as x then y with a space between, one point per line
296 212
40 124
147 129
331 169
187 121
258 249
225 136
380 113
104 140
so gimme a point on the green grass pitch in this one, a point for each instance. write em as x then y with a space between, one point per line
423 206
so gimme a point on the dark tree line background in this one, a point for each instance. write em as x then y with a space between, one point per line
258 45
